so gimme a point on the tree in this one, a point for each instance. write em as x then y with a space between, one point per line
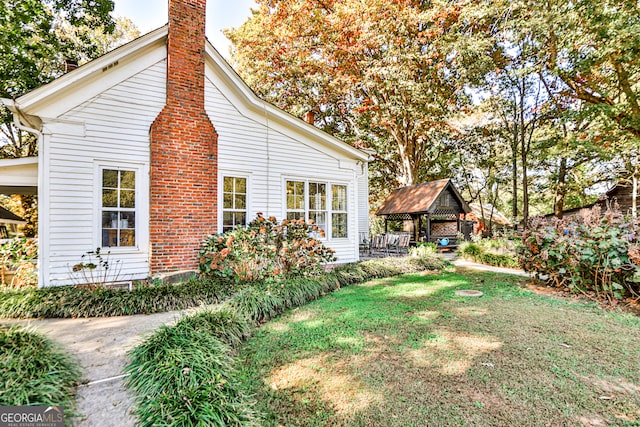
385 75
592 49
34 42
32 48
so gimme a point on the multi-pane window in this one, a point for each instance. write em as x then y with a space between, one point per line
318 204
234 203
338 211
295 200
118 208
324 203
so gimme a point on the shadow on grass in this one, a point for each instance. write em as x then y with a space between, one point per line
407 351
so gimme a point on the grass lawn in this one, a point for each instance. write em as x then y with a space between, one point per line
406 351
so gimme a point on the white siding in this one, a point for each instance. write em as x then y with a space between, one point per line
251 144
363 199
111 128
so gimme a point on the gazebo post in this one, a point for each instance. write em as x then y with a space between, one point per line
386 222
416 233
428 233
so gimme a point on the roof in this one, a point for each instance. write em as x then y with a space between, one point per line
419 198
83 83
490 211
8 217
19 176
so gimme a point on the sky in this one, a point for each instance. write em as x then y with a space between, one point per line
151 14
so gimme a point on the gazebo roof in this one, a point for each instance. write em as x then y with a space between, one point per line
419 198
8 217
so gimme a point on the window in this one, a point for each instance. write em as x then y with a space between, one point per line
234 203
295 200
339 211
324 203
118 208
318 204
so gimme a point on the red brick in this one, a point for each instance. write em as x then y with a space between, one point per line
184 142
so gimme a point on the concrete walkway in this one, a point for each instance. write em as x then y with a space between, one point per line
100 346
462 263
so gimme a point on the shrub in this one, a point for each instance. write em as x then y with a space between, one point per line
17 254
184 374
496 252
265 249
423 249
69 301
469 250
35 371
498 260
597 252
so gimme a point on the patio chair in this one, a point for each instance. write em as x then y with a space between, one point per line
403 243
379 245
392 242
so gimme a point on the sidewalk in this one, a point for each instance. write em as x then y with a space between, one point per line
100 345
462 263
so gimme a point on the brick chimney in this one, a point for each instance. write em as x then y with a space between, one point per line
184 145
309 117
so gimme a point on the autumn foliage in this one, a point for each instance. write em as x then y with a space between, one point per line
267 248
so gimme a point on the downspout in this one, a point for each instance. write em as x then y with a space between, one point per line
42 216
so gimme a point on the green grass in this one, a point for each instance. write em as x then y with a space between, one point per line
406 351
184 374
35 371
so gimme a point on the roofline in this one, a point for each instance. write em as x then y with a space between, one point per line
430 209
31 99
465 205
19 161
259 105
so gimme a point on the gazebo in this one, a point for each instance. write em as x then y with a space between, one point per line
432 210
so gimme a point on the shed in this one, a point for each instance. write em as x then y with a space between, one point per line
487 217
434 210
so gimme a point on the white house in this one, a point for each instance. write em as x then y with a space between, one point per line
150 148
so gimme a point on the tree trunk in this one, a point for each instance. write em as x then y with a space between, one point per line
561 190
525 191
514 173
634 194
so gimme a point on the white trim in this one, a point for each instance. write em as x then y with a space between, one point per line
141 205
44 217
255 106
71 89
101 70
329 202
233 174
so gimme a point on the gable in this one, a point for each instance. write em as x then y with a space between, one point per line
423 198
50 102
